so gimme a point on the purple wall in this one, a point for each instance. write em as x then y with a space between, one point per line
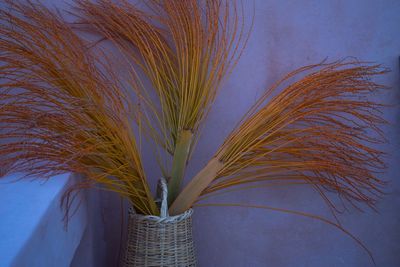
287 35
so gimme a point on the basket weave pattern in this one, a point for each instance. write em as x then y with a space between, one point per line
160 241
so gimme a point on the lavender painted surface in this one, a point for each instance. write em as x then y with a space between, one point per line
32 232
286 35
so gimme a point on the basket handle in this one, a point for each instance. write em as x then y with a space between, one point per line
164 198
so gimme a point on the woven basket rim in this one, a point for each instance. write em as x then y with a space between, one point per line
154 218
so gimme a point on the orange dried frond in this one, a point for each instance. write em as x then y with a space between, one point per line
184 48
62 110
322 129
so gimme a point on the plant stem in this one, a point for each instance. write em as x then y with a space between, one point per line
179 161
193 190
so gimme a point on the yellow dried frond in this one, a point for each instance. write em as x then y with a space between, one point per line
320 130
62 109
184 48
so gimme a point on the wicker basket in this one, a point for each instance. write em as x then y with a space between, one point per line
160 241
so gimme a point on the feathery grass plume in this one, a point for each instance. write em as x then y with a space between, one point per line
184 48
320 130
62 109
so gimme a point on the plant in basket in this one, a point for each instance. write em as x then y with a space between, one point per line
65 108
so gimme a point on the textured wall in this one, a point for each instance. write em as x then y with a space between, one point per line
32 232
287 35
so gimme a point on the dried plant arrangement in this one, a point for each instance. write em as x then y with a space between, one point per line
64 108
